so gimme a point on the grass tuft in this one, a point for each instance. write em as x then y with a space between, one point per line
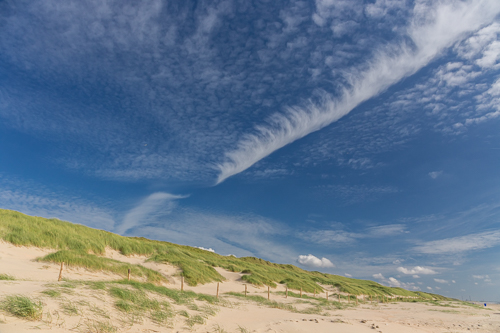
52 292
23 307
6 277
100 327
195 320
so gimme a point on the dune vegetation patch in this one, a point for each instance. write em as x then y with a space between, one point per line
82 246
23 307
6 277
97 263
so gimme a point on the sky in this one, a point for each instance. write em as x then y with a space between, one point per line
353 137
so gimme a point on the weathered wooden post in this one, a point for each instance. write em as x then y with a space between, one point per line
286 292
217 290
128 274
182 283
300 292
245 290
268 293
327 295
60 272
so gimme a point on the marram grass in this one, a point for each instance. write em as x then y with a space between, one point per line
23 307
97 263
81 246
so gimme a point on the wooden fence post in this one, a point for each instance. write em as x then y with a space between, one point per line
217 290
327 295
128 274
268 293
182 283
286 292
245 290
60 272
300 292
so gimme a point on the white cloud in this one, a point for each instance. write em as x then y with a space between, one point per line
453 281
386 230
209 249
147 208
415 276
312 261
429 288
348 275
460 244
486 278
435 174
393 282
441 281
416 270
432 29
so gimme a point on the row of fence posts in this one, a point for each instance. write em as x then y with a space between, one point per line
384 298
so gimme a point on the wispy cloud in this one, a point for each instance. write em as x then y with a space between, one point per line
341 237
431 30
35 199
435 174
312 261
241 235
155 204
472 242
416 270
441 281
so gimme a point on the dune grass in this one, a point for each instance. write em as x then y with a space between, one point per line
23 307
6 277
80 245
97 263
52 293
264 301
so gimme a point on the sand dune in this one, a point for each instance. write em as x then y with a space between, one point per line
82 309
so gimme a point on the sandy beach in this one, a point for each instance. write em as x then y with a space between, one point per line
80 308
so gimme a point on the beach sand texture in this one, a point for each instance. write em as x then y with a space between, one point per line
77 306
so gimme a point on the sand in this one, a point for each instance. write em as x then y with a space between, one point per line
91 308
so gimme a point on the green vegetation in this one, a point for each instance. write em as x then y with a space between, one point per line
100 327
24 307
52 292
69 308
195 320
6 277
82 246
96 263
264 301
138 302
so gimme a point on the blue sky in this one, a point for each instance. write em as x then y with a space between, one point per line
359 138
